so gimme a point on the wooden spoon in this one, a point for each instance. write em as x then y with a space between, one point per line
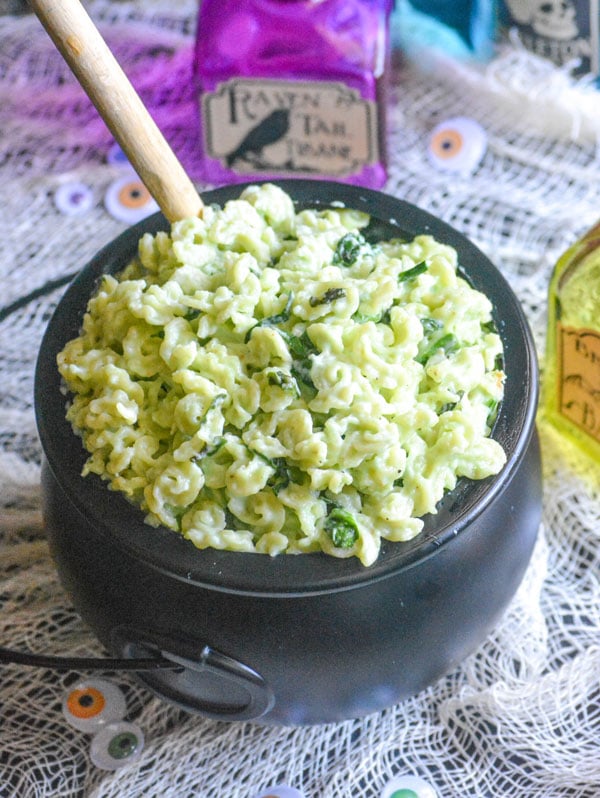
117 102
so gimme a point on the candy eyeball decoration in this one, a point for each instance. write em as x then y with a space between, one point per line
93 703
128 200
98 706
281 791
457 145
408 787
116 745
74 199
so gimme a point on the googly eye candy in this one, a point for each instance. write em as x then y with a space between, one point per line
116 745
457 145
281 791
128 200
91 704
408 787
73 199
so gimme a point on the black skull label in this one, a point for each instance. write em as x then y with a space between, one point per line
556 19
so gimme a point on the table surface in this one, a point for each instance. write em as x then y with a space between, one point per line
522 715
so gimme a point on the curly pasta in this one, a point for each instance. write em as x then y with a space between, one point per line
262 380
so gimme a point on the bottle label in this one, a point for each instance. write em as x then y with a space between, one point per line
560 31
300 128
579 378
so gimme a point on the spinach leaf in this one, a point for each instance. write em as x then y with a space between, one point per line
301 371
208 450
415 271
327 298
272 321
341 527
285 381
449 343
348 249
380 318
284 475
431 325
299 346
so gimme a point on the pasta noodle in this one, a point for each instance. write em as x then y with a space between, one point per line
266 380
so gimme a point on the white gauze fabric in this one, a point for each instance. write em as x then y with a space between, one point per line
521 717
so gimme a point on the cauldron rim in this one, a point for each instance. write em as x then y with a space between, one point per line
122 524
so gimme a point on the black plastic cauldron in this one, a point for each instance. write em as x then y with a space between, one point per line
310 638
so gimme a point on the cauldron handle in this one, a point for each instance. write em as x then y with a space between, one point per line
207 681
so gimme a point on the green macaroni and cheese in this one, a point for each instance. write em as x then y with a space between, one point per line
266 380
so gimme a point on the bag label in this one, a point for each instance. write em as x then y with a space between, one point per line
304 128
579 378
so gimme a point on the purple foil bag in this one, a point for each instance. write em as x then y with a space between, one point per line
293 88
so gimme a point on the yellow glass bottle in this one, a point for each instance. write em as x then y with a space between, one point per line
572 366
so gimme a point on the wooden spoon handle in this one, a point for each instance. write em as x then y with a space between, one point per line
107 86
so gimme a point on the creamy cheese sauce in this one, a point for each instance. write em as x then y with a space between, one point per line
266 380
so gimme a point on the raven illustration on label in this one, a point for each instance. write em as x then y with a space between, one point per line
268 131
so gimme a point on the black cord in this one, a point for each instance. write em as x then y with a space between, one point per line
85 663
42 290
7 655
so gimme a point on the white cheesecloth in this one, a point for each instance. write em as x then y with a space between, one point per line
519 718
